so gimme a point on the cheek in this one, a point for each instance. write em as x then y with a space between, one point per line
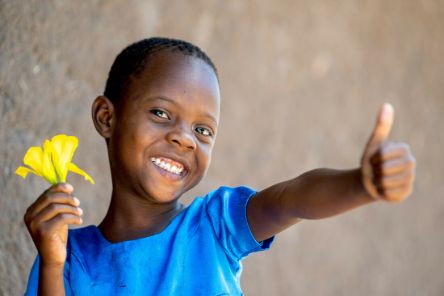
130 145
205 157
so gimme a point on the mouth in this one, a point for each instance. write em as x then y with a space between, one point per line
169 165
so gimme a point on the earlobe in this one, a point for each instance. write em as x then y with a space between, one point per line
103 115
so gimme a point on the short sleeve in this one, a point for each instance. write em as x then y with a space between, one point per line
33 280
227 211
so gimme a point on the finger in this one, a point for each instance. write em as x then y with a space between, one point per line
383 125
61 220
390 150
59 187
50 198
55 209
397 194
395 181
394 166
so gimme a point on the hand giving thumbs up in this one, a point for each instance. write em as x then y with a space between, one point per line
387 168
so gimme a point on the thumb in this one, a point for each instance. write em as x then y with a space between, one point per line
383 125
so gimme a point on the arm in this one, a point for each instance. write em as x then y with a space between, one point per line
51 280
386 173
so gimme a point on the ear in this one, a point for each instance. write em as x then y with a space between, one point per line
103 115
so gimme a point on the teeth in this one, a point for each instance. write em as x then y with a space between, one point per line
167 166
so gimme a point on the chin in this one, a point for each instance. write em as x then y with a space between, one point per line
164 196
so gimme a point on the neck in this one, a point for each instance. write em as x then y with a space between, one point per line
129 217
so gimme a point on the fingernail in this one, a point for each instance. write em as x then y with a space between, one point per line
80 211
76 201
81 220
387 111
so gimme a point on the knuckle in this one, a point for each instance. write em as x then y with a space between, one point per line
59 218
64 216
410 163
53 207
48 197
404 146
28 210
26 218
32 225
51 189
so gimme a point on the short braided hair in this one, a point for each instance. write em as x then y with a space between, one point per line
134 59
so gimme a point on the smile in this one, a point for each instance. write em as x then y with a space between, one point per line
168 165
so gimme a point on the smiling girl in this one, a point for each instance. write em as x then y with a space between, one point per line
159 116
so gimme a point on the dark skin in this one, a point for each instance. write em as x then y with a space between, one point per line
171 113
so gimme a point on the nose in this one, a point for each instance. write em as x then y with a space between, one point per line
181 139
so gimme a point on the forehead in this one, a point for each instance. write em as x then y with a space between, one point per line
187 80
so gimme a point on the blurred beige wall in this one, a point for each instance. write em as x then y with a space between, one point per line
301 84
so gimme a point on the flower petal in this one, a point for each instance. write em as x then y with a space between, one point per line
48 171
75 169
23 172
63 148
33 158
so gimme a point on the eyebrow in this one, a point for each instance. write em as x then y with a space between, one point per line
163 98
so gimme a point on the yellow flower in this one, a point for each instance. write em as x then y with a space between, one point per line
54 161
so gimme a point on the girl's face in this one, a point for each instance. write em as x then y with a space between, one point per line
165 128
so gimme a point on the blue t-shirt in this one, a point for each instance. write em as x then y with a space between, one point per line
198 253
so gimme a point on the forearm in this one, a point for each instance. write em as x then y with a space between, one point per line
322 193
51 280
316 194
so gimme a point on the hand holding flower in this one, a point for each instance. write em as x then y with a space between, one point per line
47 221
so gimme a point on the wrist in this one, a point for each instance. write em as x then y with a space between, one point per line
361 189
52 268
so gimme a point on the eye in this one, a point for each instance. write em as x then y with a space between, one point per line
204 131
160 113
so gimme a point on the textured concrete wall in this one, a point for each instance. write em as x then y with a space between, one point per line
301 83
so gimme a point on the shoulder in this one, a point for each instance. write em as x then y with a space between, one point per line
219 199
232 191
227 194
227 198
